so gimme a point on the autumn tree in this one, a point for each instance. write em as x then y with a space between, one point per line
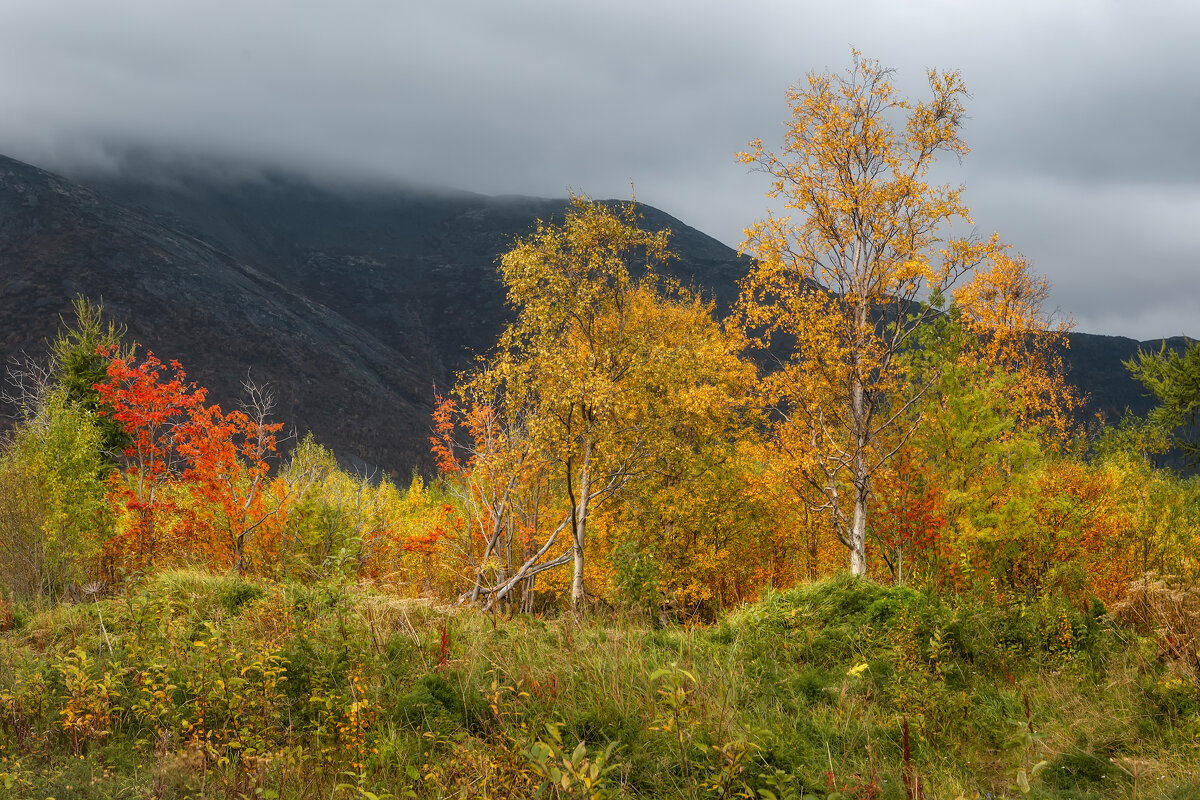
227 471
970 458
54 463
995 405
192 470
53 514
150 400
1010 331
486 456
693 504
599 366
909 512
565 360
844 283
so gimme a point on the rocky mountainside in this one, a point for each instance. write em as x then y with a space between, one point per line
190 299
352 302
416 269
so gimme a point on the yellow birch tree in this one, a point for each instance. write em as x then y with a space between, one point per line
844 279
609 374
1003 307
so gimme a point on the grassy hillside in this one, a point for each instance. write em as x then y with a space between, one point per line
192 685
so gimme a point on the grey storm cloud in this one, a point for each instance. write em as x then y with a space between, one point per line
1082 119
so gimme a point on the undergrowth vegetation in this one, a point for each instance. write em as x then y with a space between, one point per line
193 685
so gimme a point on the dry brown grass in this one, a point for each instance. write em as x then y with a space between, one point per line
1169 608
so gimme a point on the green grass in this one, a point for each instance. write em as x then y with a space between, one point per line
217 687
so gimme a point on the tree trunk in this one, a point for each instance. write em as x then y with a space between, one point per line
239 555
858 533
580 528
859 423
861 478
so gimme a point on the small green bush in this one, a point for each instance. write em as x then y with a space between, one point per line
441 703
812 684
236 593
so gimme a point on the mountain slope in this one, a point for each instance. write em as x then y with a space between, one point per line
417 269
186 299
352 302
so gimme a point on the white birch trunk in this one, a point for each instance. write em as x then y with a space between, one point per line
580 530
858 533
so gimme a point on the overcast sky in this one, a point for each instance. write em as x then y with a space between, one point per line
1084 118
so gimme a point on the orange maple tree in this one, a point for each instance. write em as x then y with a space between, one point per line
228 474
150 400
181 450
910 519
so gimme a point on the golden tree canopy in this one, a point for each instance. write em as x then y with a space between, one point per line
847 276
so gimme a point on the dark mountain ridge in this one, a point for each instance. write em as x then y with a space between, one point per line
352 302
187 299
